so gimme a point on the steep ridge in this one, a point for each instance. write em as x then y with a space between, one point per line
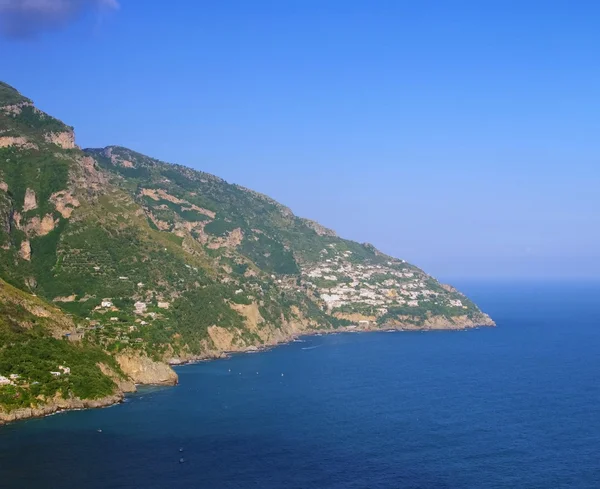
154 262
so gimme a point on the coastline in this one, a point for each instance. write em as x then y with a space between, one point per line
59 405
437 323
168 376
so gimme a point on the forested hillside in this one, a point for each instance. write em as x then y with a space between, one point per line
141 259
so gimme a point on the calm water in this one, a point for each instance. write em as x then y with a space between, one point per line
514 406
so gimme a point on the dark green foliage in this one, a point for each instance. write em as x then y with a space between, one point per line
191 215
220 227
203 307
241 299
270 255
239 268
151 224
179 179
26 349
136 173
10 96
44 259
35 357
339 322
31 119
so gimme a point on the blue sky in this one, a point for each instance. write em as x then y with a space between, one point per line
461 136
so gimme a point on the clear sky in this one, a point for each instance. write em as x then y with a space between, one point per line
461 136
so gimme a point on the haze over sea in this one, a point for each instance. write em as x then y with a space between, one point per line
512 406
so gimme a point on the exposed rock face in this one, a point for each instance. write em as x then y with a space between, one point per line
448 288
15 109
17 220
231 340
159 194
65 203
3 186
67 298
6 141
144 370
30 202
222 338
65 139
25 250
39 311
251 314
232 240
40 227
89 177
124 385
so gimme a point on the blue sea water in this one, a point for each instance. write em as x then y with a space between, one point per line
506 407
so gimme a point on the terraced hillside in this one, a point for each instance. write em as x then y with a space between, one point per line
155 262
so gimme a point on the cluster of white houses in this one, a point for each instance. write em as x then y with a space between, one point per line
13 378
342 283
10 380
122 321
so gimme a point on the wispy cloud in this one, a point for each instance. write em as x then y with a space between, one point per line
28 18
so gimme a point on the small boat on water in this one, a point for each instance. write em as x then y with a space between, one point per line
181 460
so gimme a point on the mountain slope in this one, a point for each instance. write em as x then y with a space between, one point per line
41 370
158 262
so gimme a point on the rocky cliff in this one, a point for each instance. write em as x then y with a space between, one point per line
143 370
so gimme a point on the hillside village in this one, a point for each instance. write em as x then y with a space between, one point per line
346 287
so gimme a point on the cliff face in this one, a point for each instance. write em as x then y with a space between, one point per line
143 370
158 261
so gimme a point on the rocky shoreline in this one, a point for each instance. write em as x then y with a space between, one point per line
144 371
436 323
58 405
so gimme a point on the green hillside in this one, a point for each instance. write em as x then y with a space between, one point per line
34 343
153 259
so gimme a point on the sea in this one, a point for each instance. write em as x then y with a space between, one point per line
515 406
